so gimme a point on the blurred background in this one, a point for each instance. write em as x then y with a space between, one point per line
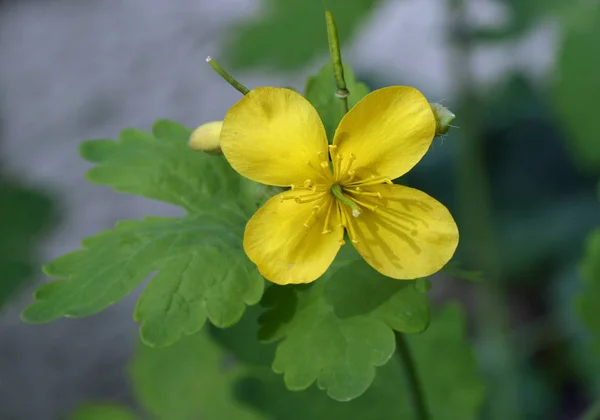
520 171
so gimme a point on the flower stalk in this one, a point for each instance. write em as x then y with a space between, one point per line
228 78
336 59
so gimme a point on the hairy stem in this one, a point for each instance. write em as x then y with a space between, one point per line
336 59
228 78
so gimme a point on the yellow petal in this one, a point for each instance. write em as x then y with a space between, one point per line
286 251
388 132
409 235
206 137
274 136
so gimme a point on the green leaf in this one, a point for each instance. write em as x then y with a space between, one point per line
191 379
445 364
291 32
200 268
201 272
578 85
337 330
25 214
161 166
587 302
102 412
320 91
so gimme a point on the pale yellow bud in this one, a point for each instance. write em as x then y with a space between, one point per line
443 118
206 138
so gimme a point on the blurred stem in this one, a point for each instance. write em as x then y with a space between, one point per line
478 231
592 413
416 391
336 60
228 78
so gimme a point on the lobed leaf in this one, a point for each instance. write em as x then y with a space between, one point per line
201 272
200 269
161 166
444 362
339 329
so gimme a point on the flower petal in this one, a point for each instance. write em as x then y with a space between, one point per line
388 132
409 235
286 251
274 136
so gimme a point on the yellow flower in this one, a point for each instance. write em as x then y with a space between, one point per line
274 136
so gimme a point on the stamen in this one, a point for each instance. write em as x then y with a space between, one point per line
337 166
351 174
351 160
338 209
359 191
327 216
312 216
370 181
332 148
308 198
365 205
350 227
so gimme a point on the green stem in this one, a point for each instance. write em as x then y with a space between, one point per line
592 413
336 59
228 78
416 391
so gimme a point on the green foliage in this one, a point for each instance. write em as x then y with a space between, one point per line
320 91
444 362
24 215
578 85
102 412
587 302
291 32
160 166
337 330
201 270
191 379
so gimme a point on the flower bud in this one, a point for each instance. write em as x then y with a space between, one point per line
443 118
206 138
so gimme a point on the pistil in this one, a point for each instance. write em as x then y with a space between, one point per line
336 190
